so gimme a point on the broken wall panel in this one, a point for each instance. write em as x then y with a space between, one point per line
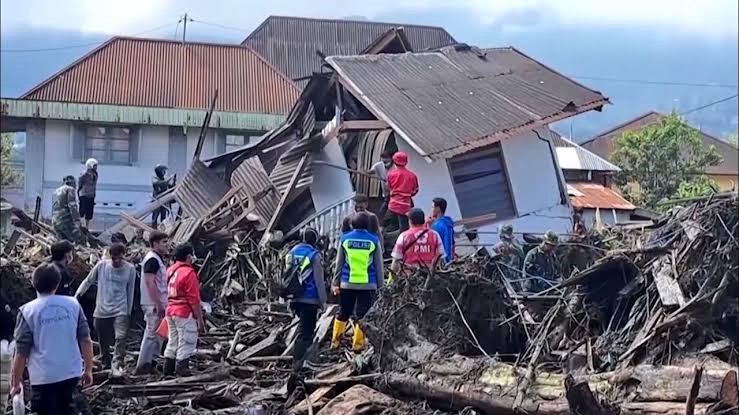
200 189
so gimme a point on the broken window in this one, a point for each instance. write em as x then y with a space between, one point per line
481 184
108 144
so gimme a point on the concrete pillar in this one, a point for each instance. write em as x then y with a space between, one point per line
34 164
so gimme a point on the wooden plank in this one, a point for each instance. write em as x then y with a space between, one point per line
205 126
11 242
354 125
283 199
163 199
338 372
137 223
669 290
267 346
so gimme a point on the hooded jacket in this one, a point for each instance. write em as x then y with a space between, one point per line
444 226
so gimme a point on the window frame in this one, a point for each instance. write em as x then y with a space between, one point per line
108 142
222 146
485 218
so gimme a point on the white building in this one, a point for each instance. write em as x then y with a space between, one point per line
134 103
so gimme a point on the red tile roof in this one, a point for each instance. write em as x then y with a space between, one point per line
597 196
163 73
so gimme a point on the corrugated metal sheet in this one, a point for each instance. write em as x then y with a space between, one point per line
289 161
168 74
451 101
369 148
200 189
593 195
327 222
290 43
252 176
22 108
187 227
603 144
573 157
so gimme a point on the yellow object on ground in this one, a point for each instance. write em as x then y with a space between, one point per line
390 277
339 327
357 338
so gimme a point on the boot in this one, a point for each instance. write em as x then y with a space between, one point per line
182 368
339 327
144 369
169 366
357 338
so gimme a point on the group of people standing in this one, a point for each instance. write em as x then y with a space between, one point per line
53 336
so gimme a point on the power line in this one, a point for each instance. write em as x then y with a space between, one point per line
710 104
650 82
80 45
240 30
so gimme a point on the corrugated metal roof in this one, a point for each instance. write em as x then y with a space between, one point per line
22 108
603 143
252 176
290 43
170 74
593 195
200 189
573 157
459 98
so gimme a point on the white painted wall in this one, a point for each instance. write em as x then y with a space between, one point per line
606 217
533 177
330 184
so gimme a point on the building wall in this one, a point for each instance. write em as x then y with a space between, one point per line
533 178
328 187
725 182
607 216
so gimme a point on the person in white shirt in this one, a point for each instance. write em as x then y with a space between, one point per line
380 170
52 339
153 301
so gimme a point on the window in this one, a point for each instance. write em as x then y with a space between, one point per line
108 144
234 140
481 185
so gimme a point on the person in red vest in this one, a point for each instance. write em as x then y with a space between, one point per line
419 246
403 185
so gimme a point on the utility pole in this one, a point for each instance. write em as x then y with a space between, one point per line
184 21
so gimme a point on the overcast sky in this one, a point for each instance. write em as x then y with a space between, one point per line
710 18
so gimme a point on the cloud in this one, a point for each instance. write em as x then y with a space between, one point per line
707 17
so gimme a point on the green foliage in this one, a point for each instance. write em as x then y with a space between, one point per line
660 161
9 176
734 139
698 186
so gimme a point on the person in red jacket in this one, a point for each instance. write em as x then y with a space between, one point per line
184 314
403 185
419 246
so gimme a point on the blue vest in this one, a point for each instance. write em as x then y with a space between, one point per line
304 254
359 250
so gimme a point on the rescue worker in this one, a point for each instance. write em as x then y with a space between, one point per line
444 226
306 306
403 185
153 288
160 184
62 254
359 275
361 203
541 267
419 246
65 215
115 279
184 313
86 190
380 170
53 339
510 254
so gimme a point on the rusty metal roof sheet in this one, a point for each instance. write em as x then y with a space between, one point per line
603 144
594 195
255 180
200 189
169 74
290 43
459 98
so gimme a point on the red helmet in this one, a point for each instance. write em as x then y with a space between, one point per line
400 158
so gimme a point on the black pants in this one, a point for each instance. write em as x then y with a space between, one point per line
112 332
158 214
397 221
354 302
308 315
87 207
54 398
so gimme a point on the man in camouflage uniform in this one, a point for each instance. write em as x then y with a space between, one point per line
65 215
541 267
160 184
509 254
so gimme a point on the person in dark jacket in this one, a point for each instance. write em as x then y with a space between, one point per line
307 306
444 226
86 189
160 184
62 254
541 267
65 215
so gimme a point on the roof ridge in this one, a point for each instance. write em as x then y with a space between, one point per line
621 125
339 20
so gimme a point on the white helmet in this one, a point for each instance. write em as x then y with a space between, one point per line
91 163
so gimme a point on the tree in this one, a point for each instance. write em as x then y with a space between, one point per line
662 160
8 174
734 139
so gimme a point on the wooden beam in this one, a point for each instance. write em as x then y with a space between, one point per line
137 223
205 126
363 125
283 199
157 203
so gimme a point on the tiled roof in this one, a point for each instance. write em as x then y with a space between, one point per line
168 74
603 143
593 195
453 100
573 157
290 43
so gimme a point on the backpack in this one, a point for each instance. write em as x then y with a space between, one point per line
293 279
